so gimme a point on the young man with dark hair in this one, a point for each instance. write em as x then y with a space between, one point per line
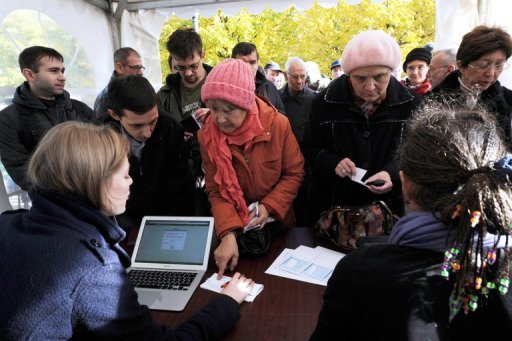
181 95
158 161
39 104
127 62
249 54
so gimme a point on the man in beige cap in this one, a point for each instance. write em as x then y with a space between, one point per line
358 122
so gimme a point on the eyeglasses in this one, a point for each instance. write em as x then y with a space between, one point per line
487 66
192 67
135 67
432 68
297 77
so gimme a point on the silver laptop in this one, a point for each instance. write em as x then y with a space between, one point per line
169 260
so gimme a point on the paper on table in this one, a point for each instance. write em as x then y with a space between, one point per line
306 264
275 270
216 285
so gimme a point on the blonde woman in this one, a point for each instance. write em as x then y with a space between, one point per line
62 271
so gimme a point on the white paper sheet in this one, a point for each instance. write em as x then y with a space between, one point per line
213 284
312 265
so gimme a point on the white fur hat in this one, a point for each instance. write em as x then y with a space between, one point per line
371 48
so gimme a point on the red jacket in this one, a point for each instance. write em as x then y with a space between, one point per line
270 172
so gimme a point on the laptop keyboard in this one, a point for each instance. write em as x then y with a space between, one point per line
161 279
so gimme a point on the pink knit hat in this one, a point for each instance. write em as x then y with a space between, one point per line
371 48
231 80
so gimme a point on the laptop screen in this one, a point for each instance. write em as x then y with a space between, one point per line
177 242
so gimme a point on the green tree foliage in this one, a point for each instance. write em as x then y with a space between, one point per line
317 34
24 28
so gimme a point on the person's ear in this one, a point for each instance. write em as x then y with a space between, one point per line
459 65
451 68
28 74
408 189
118 66
113 115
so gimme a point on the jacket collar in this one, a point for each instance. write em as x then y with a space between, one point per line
260 78
267 115
76 212
285 94
451 82
25 98
338 92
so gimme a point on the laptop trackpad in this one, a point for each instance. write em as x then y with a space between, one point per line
148 297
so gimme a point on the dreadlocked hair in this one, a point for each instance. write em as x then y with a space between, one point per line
450 155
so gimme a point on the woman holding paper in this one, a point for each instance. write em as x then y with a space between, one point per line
62 271
445 273
250 155
355 126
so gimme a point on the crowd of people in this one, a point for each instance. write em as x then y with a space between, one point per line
266 148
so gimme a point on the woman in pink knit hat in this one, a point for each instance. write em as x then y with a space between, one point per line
250 158
358 123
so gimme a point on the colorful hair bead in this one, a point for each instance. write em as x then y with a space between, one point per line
478 283
475 218
491 256
456 266
473 303
504 283
457 212
491 285
445 273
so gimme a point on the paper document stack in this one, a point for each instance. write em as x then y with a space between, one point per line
313 265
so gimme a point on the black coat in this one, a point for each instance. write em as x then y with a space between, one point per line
338 129
497 98
391 292
162 184
297 109
269 91
24 123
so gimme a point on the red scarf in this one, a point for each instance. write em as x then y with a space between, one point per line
217 145
421 89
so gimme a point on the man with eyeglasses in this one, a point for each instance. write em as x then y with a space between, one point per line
181 97
249 54
297 97
416 67
442 64
481 58
127 62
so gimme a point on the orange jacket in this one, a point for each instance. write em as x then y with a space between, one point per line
270 172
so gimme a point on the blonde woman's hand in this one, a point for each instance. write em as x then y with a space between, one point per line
238 288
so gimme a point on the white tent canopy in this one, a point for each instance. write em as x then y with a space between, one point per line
101 26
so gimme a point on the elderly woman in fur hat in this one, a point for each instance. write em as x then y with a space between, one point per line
358 123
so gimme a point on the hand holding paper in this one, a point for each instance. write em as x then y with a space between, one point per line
214 284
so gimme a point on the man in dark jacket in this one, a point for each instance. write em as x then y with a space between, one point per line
296 96
39 104
181 97
127 62
249 54
358 121
158 161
